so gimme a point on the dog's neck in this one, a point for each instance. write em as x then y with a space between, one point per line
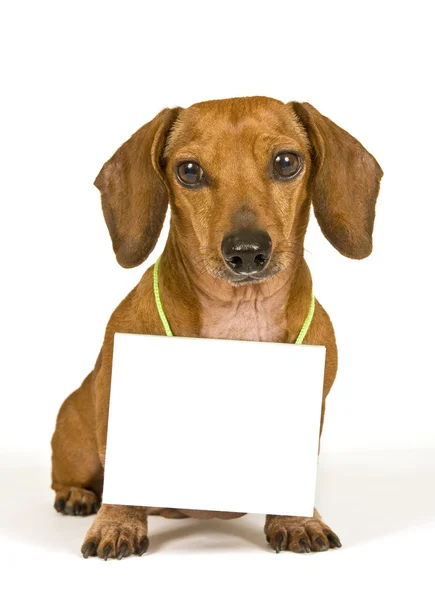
272 310
250 312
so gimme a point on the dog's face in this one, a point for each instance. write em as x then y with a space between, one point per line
240 176
238 173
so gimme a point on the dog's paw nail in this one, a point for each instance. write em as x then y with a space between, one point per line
76 508
267 539
106 551
304 545
88 549
142 547
95 508
334 540
320 544
278 541
123 551
59 505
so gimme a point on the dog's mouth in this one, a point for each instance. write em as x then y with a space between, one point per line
238 279
244 279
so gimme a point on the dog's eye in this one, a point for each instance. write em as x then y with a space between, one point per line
286 165
190 173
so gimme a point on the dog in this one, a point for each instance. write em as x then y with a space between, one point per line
240 176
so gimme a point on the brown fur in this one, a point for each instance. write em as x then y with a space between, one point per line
233 140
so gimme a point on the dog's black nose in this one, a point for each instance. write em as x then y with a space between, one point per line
247 251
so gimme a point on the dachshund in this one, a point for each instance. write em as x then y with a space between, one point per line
240 176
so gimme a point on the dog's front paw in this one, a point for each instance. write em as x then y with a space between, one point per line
76 501
299 534
117 532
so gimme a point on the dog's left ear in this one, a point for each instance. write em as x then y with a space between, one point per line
344 185
134 193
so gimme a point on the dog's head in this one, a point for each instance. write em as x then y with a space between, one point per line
240 176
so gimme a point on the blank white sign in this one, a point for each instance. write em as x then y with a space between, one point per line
214 424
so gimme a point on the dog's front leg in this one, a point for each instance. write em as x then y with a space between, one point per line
300 534
117 532
309 534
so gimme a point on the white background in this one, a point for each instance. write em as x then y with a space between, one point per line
77 80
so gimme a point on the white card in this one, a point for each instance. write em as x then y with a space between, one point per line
213 424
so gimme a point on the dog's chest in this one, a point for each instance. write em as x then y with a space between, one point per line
253 320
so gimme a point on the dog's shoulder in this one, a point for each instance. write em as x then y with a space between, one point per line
137 313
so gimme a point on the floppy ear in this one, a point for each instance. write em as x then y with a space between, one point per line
345 183
134 194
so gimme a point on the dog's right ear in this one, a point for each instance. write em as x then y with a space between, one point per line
134 193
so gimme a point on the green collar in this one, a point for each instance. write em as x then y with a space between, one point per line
167 328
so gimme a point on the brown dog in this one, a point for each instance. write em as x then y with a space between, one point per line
240 176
